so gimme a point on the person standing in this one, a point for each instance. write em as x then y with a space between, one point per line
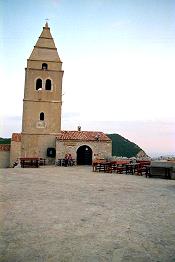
66 160
70 163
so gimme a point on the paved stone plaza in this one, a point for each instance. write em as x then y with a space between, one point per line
72 214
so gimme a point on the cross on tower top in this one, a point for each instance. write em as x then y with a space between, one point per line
46 25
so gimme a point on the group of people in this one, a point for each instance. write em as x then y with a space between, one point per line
68 161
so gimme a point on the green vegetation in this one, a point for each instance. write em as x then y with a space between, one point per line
122 146
4 141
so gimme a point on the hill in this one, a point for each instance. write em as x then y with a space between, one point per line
123 147
4 141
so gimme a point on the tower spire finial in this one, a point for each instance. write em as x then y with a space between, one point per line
46 25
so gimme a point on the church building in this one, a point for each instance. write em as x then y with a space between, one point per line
41 134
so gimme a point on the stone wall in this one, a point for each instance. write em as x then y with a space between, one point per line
15 151
100 149
4 156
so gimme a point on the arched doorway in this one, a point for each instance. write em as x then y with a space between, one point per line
84 155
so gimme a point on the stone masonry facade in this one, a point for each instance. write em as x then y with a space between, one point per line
99 149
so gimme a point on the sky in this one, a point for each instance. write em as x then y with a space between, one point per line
118 60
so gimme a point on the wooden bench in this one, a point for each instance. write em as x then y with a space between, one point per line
42 161
61 162
29 162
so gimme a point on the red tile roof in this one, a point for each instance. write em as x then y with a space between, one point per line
16 137
73 135
82 135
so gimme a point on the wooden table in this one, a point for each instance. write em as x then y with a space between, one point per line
143 167
101 166
109 166
119 166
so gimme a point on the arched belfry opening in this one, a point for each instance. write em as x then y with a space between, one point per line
44 66
84 155
38 84
48 85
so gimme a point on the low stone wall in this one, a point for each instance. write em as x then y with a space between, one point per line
15 151
163 169
173 173
4 156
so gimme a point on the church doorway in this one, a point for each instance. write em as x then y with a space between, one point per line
84 155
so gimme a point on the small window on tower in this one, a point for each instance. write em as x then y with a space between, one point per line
44 66
48 84
41 116
38 84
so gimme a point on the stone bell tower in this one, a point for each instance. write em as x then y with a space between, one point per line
42 98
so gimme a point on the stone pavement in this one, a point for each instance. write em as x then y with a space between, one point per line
72 214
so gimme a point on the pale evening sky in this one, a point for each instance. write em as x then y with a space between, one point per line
119 63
